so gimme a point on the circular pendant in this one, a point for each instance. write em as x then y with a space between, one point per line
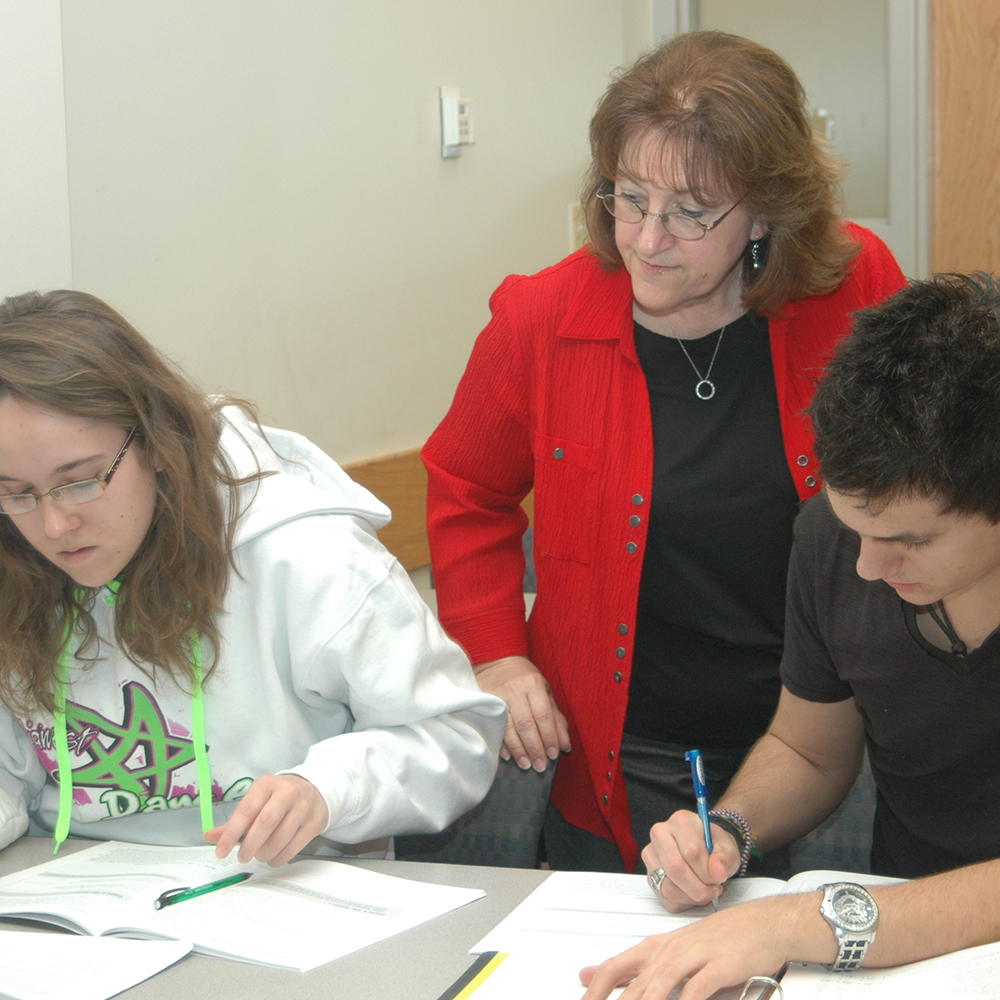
704 389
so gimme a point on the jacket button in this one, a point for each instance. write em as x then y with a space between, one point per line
604 799
558 453
608 775
631 548
620 653
635 520
611 755
810 481
803 460
637 499
618 677
623 629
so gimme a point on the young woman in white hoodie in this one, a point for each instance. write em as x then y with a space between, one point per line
200 633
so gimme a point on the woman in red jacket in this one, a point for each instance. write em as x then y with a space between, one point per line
650 388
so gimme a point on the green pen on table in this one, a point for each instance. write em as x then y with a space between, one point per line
172 896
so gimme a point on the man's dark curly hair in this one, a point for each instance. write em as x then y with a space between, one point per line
910 404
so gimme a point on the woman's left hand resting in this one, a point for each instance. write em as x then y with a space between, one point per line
276 818
724 949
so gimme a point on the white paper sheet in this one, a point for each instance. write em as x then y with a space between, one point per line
40 966
972 974
601 914
534 973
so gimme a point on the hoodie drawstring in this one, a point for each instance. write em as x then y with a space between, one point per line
65 767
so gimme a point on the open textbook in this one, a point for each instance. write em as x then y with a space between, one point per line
575 919
600 914
296 917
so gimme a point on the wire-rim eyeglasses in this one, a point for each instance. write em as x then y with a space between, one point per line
683 227
81 492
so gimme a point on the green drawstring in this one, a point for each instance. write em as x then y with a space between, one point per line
198 736
62 741
65 768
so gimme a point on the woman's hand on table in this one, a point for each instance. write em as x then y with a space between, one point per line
277 817
692 876
536 729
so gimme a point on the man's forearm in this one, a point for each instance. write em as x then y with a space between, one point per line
799 771
921 919
781 795
936 915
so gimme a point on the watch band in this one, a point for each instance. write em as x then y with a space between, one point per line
853 914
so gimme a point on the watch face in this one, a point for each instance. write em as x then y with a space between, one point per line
854 911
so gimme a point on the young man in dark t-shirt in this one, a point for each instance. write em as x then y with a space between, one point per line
892 642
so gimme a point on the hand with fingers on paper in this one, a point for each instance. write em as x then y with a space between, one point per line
277 817
722 950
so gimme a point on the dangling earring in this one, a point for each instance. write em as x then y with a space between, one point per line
755 262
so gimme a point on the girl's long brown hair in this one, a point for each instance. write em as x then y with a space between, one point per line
71 352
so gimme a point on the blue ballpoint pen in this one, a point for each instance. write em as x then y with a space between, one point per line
701 797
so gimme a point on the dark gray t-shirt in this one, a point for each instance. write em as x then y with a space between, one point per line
932 719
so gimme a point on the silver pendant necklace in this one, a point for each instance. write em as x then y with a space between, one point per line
705 389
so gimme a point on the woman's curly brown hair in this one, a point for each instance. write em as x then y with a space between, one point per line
733 113
71 352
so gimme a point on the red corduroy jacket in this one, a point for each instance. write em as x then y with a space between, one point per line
554 398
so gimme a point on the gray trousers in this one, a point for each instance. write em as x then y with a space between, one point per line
658 783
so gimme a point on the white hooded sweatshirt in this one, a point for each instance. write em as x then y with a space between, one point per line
331 668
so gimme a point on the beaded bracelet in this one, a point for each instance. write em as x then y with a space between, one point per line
731 820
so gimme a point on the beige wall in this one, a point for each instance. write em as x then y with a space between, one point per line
259 187
34 205
257 183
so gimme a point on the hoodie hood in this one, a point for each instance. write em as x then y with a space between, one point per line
302 480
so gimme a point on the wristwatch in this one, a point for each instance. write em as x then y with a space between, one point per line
853 915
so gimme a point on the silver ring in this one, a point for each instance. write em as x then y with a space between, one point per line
656 878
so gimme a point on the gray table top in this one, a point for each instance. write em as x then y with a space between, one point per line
419 964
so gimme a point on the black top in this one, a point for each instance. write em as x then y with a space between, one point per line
932 718
712 598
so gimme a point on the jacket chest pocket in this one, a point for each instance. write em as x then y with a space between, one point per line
565 498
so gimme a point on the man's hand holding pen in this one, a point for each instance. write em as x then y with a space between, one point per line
692 876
